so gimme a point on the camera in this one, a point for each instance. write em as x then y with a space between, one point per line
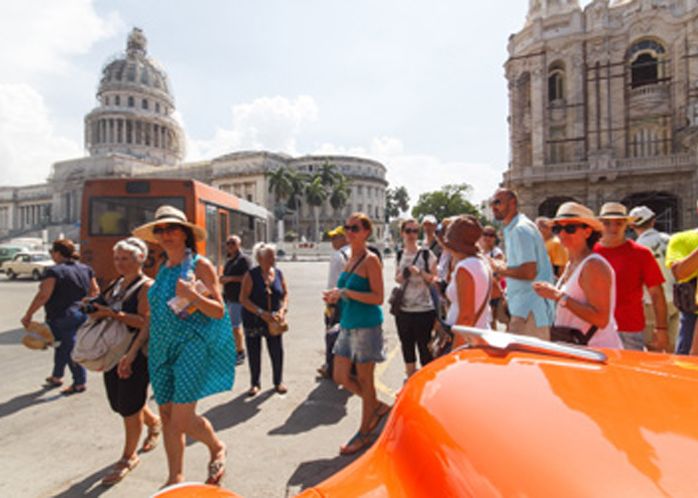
89 306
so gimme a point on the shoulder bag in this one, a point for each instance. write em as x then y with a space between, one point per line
100 344
275 325
685 296
572 335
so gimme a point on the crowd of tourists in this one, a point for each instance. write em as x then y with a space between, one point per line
576 277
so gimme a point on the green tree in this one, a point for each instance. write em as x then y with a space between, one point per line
340 193
315 196
329 174
295 197
280 186
450 200
397 201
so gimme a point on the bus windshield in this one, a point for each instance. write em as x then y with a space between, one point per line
120 215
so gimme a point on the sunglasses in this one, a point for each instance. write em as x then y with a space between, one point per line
489 235
411 230
231 243
165 229
570 229
352 228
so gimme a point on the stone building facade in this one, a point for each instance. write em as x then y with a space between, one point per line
603 106
132 133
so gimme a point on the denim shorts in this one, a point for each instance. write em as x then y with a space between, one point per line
362 345
235 312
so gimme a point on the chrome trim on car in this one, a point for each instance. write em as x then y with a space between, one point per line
503 341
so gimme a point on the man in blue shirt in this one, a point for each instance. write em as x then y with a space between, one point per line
526 261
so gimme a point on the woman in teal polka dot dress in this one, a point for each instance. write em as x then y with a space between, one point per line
191 354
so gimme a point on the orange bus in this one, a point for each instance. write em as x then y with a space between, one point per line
111 208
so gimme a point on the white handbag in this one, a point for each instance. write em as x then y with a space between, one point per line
100 344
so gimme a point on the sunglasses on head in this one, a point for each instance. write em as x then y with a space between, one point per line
571 228
352 228
164 229
411 230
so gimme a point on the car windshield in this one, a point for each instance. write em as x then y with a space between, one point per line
8 251
120 215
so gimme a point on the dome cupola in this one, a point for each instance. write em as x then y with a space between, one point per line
135 106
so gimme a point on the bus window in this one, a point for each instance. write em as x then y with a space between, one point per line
247 231
120 215
213 237
223 232
261 229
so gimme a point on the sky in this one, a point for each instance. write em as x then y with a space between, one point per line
417 85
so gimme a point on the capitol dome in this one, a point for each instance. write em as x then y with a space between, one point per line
135 106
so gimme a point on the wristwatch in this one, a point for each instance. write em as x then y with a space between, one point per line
563 301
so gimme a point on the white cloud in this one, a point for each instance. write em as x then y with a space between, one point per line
270 123
28 143
421 173
40 36
41 39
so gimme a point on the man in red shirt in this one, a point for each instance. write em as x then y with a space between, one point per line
635 268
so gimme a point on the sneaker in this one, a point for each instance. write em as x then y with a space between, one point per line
241 358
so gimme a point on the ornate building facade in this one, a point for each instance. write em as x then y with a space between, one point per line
603 106
132 133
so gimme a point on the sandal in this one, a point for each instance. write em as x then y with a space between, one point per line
254 391
52 382
281 389
216 468
152 438
119 470
357 443
378 416
74 389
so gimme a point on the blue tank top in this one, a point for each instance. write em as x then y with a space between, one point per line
354 314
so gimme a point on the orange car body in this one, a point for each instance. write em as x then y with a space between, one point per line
515 422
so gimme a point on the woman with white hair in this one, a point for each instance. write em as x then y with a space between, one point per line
264 298
127 383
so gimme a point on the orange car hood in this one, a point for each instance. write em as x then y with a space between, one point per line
520 424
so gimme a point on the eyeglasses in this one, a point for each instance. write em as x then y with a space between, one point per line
489 235
352 228
411 230
570 228
165 229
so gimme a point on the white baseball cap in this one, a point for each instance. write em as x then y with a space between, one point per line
430 218
641 214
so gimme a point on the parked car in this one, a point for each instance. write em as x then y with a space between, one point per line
513 416
27 263
8 251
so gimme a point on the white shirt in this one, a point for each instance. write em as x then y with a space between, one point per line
481 277
657 242
603 338
417 296
337 263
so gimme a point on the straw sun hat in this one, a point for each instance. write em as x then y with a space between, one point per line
38 336
167 215
575 212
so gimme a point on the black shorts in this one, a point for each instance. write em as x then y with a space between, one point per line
127 396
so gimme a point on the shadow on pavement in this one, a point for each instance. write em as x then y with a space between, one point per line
11 337
325 405
309 474
89 486
23 401
237 411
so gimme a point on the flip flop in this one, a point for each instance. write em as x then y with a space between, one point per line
378 416
357 443
74 389
216 469
152 438
119 471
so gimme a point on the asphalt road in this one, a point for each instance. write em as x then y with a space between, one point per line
55 446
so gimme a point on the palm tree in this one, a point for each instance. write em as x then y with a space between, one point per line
340 193
315 196
329 174
280 185
297 181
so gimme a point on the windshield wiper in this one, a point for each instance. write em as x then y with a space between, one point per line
505 342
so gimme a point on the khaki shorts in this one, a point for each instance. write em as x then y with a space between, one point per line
527 326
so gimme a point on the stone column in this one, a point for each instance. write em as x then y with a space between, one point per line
538 117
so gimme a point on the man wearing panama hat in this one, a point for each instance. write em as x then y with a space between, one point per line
635 269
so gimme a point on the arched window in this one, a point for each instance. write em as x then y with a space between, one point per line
556 82
131 102
646 60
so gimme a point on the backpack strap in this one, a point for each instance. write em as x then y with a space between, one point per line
425 257
399 256
133 289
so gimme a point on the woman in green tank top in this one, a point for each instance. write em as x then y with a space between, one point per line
359 293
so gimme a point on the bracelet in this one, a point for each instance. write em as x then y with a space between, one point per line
259 311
